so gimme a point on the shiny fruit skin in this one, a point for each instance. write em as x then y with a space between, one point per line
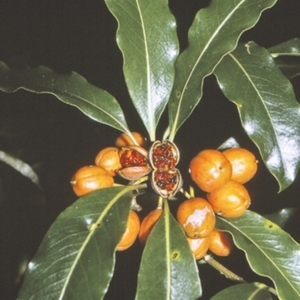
131 232
220 243
196 217
148 223
90 178
109 159
231 200
243 162
123 140
210 170
199 246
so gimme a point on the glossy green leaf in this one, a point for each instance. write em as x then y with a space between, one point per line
270 251
289 66
283 216
245 291
148 41
229 143
168 269
214 32
77 255
288 48
266 103
287 57
71 89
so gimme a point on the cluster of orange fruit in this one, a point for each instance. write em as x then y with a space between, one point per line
125 159
220 174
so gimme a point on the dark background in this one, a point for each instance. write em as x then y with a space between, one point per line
56 139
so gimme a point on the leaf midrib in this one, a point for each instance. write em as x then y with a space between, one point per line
90 234
149 91
54 92
195 65
263 252
239 64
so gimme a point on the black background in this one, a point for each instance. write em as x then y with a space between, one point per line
56 139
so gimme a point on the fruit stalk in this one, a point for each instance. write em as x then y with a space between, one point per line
222 269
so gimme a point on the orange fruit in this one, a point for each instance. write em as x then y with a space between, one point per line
220 243
199 246
124 140
131 232
231 200
109 159
90 178
210 170
196 217
243 162
148 223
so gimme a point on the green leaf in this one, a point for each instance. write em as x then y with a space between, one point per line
148 41
270 251
266 103
287 57
288 48
71 89
283 216
214 32
76 257
244 291
168 269
289 66
229 143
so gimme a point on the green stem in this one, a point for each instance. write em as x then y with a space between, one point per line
222 269
192 192
189 195
166 133
185 193
139 181
160 202
273 291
